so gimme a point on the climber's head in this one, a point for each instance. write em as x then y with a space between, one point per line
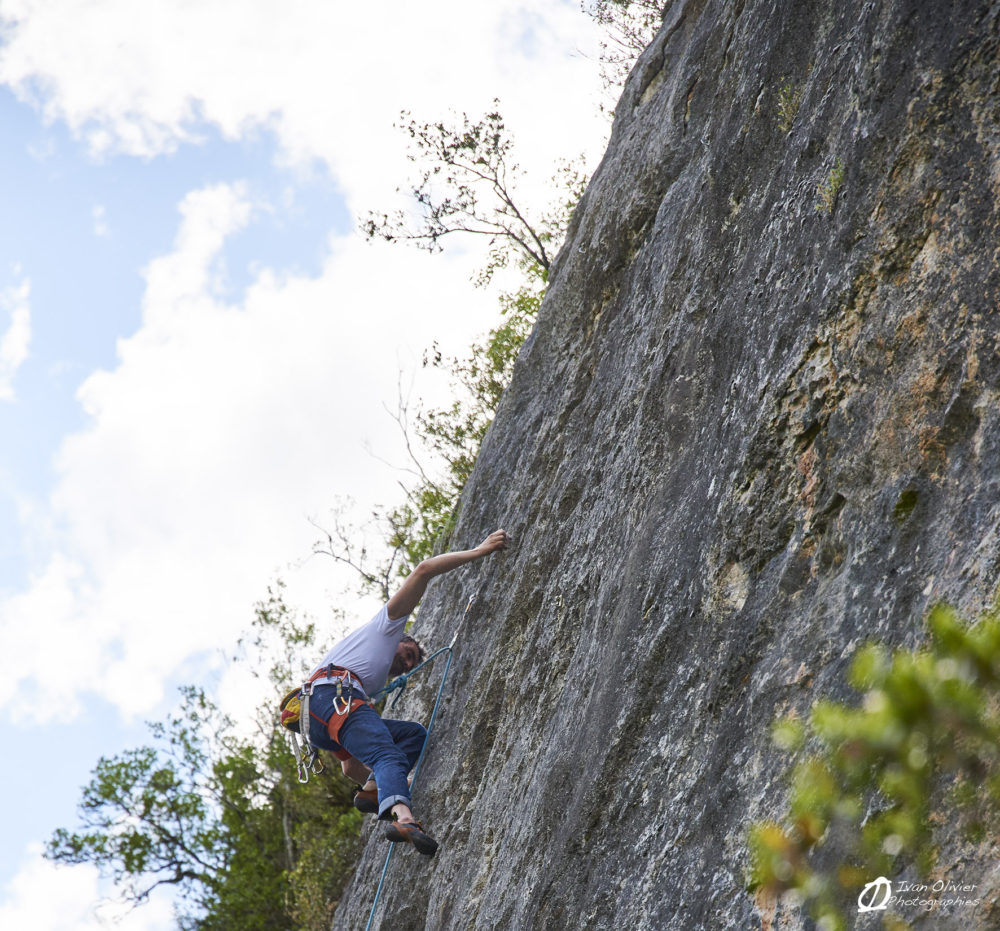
409 654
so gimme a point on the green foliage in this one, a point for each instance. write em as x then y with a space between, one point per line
905 504
826 190
924 738
466 183
219 816
789 99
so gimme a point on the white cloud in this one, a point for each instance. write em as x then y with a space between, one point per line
224 424
15 341
221 428
225 421
329 79
44 896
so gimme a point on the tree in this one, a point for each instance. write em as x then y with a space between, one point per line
219 817
924 739
451 437
466 183
629 26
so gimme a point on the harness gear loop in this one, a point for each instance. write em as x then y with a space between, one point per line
308 758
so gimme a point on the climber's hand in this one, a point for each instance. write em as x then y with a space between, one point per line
497 540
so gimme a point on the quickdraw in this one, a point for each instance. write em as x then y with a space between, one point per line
306 758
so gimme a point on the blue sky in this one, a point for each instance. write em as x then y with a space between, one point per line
197 349
80 230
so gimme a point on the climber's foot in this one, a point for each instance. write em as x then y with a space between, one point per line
366 800
411 832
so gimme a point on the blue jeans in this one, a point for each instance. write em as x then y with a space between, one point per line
390 749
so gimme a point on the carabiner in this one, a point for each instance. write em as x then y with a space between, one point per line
339 697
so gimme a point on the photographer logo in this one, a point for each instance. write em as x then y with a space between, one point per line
875 896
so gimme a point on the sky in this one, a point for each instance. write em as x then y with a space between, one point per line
199 352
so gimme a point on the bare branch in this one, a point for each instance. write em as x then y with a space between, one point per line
341 550
629 26
461 160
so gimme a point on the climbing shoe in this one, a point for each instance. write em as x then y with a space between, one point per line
411 832
366 800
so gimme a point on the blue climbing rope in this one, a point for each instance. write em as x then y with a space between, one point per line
400 683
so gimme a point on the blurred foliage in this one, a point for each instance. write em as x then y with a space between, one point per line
218 815
925 739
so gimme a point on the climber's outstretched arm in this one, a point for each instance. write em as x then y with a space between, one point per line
407 598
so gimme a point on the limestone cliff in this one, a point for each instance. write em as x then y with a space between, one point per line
756 424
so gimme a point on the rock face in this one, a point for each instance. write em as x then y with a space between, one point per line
756 424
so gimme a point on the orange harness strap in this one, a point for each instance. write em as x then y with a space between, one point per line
337 719
346 706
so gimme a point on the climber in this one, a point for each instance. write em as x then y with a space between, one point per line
374 752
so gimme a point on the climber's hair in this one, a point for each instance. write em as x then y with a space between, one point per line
406 638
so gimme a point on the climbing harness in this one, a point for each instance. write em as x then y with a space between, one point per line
295 716
400 683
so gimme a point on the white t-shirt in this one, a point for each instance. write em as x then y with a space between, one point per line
367 651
